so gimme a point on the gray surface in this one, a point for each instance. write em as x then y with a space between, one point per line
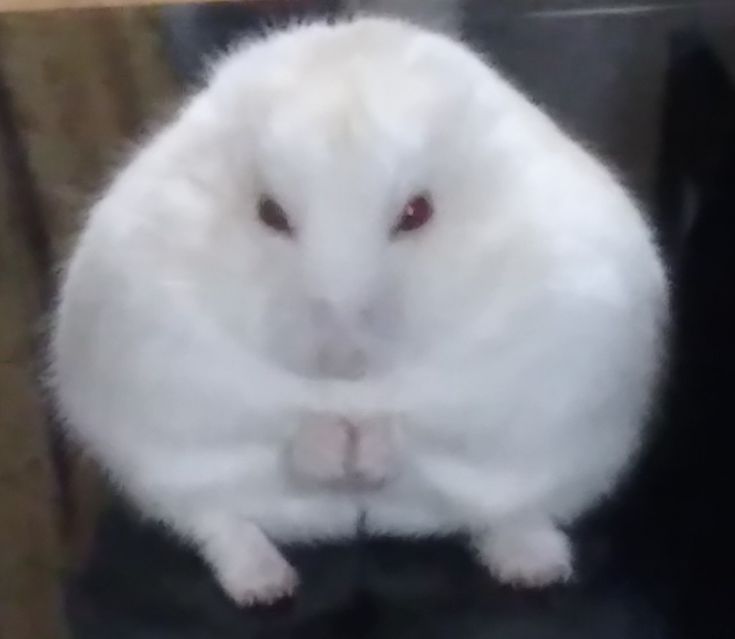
599 71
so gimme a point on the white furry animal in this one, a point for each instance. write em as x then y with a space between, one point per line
361 278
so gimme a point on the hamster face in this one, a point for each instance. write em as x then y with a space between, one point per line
356 186
347 191
324 182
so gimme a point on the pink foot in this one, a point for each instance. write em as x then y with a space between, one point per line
531 556
248 566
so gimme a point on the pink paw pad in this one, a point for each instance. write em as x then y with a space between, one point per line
321 448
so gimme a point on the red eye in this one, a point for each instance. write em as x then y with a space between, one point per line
415 214
272 215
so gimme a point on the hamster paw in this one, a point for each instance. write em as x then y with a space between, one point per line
249 567
375 457
321 448
531 556
333 449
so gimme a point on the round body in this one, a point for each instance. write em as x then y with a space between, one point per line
360 277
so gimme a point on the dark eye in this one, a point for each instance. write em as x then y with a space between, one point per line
272 215
415 214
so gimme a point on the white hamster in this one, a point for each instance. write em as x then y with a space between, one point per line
361 278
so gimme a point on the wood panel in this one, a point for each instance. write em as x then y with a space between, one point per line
75 89
83 86
31 557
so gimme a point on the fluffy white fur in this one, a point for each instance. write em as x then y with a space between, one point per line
490 372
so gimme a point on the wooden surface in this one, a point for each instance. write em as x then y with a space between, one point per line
30 552
75 89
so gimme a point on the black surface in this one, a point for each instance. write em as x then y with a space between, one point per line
655 564
688 480
142 584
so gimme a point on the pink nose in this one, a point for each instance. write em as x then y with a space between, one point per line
340 350
341 361
339 315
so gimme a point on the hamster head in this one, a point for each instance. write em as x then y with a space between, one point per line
337 190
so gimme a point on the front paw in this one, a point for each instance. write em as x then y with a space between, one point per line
375 457
322 447
333 449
